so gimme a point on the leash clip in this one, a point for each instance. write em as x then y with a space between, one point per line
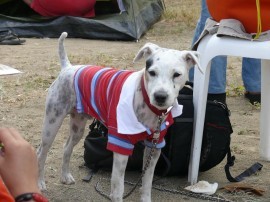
156 136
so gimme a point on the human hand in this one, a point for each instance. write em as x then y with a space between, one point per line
18 163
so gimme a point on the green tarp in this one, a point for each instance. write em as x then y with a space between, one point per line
131 24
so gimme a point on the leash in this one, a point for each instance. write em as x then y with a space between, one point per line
183 192
148 160
161 114
159 188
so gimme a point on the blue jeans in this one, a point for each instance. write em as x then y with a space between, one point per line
251 68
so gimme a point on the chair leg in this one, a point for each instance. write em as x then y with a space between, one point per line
265 112
200 91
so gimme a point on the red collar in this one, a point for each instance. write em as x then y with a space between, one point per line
147 101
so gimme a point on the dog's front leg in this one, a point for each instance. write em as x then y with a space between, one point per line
118 175
149 173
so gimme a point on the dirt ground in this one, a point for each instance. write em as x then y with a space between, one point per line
22 99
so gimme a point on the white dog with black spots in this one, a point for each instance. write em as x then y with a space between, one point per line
134 105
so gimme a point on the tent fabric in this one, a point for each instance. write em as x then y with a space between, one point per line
135 18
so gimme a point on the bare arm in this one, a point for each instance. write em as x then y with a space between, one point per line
18 163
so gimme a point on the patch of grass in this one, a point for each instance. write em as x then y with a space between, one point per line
235 90
165 30
38 82
186 16
241 132
256 105
186 12
97 59
237 150
104 59
180 16
54 67
78 59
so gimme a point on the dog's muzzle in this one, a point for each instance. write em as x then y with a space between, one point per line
160 97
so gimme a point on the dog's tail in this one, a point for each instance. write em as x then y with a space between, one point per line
62 52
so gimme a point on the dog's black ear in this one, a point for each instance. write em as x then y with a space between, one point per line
192 59
146 51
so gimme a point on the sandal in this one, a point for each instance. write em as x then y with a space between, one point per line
253 97
9 38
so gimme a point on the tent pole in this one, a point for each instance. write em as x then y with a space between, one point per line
135 24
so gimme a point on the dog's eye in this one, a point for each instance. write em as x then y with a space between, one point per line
152 73
176 75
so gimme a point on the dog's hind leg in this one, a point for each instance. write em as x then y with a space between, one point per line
149 173
77 126
118 176
51 126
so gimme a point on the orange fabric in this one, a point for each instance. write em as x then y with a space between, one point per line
243 10
4 194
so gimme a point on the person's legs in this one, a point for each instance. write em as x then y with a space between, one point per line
201 22
251 75
217 83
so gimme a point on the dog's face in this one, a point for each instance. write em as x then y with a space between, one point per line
165 73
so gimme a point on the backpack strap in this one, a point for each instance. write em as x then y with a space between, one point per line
248 172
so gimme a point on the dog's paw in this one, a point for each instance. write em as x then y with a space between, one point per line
145 195
42 185
67 179
145 199
116 198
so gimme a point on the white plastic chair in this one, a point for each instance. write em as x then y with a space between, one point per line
209 47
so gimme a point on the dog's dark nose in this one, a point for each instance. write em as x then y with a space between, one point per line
160 97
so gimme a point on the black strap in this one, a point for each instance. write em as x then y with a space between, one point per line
168 165
93 124
248 172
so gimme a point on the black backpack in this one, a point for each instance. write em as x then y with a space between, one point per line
174 160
